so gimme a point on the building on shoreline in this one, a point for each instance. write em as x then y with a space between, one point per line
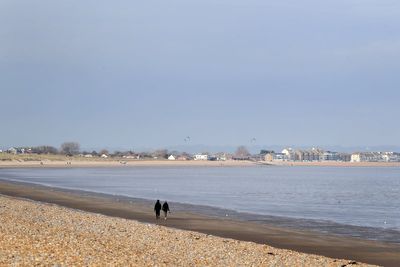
200 157
375 157
311 155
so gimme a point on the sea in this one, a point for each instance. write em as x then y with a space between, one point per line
361 202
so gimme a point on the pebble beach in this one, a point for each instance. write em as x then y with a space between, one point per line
40 234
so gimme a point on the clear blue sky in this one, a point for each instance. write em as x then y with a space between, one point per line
148 73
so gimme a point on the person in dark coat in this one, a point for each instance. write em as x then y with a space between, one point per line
165 209
157 208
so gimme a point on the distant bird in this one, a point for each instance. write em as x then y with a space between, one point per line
253 140
187 139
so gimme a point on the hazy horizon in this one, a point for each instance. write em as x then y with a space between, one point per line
132 74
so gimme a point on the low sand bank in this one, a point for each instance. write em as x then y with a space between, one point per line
46 163
43 234
120 163
331 246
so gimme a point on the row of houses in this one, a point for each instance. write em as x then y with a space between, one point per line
287 154
315 154
375 157
13 150
219 157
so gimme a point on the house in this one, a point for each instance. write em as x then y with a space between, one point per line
221 157
355 157
329 156
367 157
104 156
212 158
391 157
344 157
201 157
269 157
280 157
130 157
288 153
12 150
171 157
181 157
88 156
308 155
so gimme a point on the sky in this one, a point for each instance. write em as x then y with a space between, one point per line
129 74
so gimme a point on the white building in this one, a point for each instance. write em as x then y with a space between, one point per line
12 150
200 157
104 156
329 156
288 154
356 157
367 157
171 157
279 157
222 158
390 157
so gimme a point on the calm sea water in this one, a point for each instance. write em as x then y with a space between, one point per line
362 197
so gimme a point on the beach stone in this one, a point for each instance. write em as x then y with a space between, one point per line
49 235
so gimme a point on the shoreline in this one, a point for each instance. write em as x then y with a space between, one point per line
48 234
373 252
324 227
123 163
334 164
74 163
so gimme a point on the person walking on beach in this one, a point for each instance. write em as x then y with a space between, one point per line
157 209
165 209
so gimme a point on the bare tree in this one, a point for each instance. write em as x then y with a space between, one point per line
104 151
161 153
70 148
242 152
44 150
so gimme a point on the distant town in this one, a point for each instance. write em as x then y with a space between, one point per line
72 149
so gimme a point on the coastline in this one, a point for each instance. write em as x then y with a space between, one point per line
48 163
302 241
335 164
48 234
123 163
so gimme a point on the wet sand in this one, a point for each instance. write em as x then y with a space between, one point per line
308 242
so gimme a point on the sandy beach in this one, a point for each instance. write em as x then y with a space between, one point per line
205 247
121 163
